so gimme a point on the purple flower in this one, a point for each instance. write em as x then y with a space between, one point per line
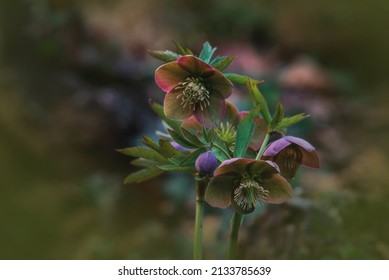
243 182
289 152
178 147
206 163
193 88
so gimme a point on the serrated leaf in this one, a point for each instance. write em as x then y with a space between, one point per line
166 55
244 133
158 109
167 150
286 122
192 138
278 115
180 140
190 159
143 175
241 79
219 154
222 62
143 152
150 143
141 162
183 50
207 52
172 168
259 99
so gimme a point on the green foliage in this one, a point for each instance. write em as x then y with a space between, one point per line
207 52
241 79
222 62
244 133
259 99
143 152
183 50
166 55
278 115
143 175
286 122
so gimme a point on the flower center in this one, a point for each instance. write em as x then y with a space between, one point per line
291 156
248 193
194 93
227 133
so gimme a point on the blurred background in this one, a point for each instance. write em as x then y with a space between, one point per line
74 83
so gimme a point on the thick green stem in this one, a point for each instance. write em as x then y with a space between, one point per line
236 221
264 144
198 234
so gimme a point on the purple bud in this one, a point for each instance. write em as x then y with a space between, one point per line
178 147
206 163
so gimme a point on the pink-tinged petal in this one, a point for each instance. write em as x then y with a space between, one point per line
259 134
173 108
310 159
218 193
279 189
220 84
275 165
300 142
233 166
275 147
169 75
261 167
232 115
193 126
212 115
195 66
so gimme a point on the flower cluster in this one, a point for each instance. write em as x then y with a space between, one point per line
229 152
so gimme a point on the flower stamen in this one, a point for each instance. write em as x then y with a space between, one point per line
227 133
248 193
194 93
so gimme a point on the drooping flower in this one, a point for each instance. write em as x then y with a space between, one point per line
243 182
206 163
289 152
228 127
193 88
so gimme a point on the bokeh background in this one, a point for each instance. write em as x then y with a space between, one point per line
74 83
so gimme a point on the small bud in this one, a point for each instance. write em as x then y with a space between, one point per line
206 163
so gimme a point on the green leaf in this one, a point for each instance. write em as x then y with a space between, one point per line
181 140
190 159
222 62
286 122
278 115
241 79
166 56
150 143
219 154
259 99
141 162
172 168
192 138
143 175
207 52
158 109
167 150
143 152
182 50
244 133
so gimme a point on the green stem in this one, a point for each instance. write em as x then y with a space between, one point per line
236 221
198 234
264 144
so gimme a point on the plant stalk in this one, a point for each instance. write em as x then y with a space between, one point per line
264 144
236 221
198 234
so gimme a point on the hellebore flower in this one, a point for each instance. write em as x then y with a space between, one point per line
206 163
193 88
242 182
228 127
289 152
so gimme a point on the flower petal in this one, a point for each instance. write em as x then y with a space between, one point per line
300 142
195 66
275 147
212 115
279 189
261 167
193 126
310 159
173 108
232 115
218 193
233 166
169 75
220 84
